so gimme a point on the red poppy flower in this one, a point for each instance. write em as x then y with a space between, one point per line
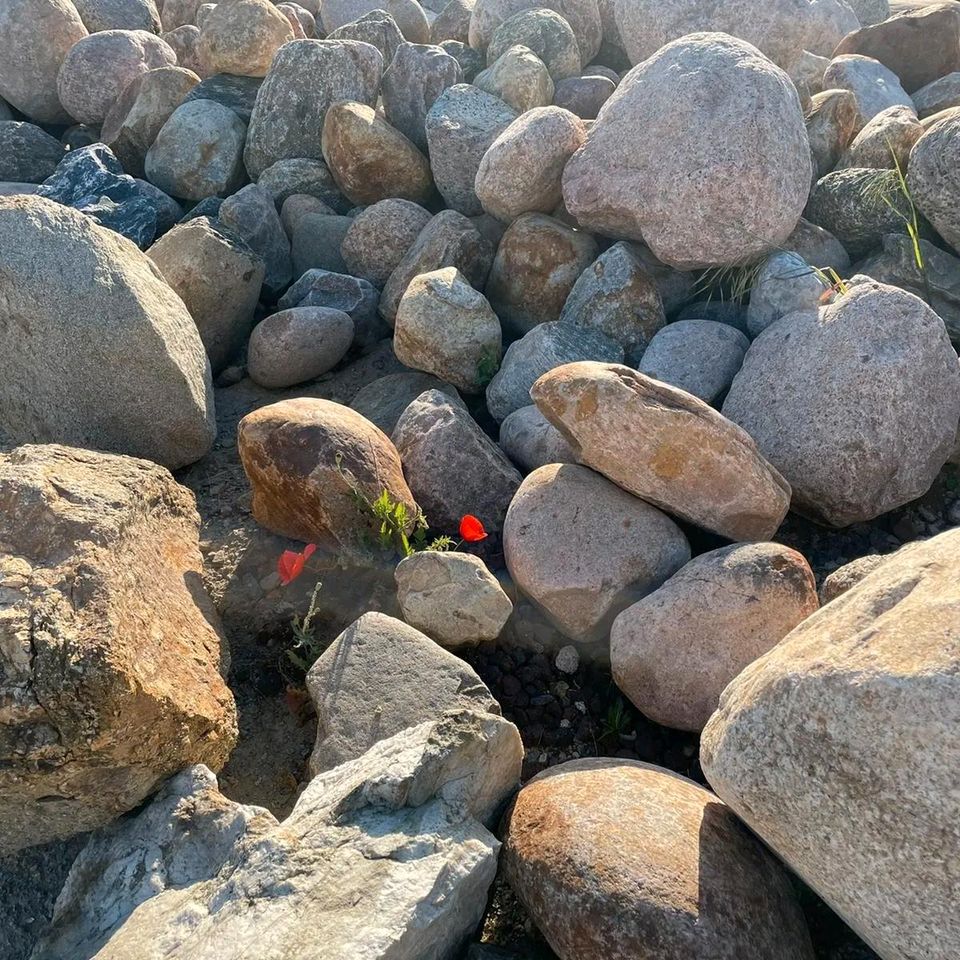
471 529
291 564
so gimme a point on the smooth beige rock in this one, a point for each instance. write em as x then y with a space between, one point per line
35 37
113 658
656 165
217 276
838 749
445 327
673 652
618 859
305 458
521 170
584 550
123 367
665 446
856 404
241 37
370 160
848 576
452 597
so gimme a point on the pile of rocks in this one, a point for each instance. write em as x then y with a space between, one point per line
555 330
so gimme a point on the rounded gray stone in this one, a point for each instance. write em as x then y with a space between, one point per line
547 34
98 15
378 238
27 153
530 440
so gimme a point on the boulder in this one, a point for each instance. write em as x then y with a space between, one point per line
453 468
35 37
934 180
98 67
241 37
584 550
836 748
519 78
684 869
885 141
452 22
785 284
460 126
338 291
370 160
536 265
379 237
530 440
848 576
870 11
218 277
521 170
297 345
700 357
546 346
874 87
139 113
857 405
380 677
309 463
544 32
583 16
780 29
236 92
617 295
303 177
377 28
114 659
408 15
306 76
634 179
382 401
819 247
445 327
27 153
832 122
673 652
666 446
859 206
448 240
919 45
452 597
412 81
470 60
315 243
251 214
198 152
98 312
942 94
583 96
185 43
406 860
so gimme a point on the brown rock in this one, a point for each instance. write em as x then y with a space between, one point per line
305 459
370 160
674 651
113 654
241 37
665 446
537 263
583 549
832 122
919 46
618 859
838 749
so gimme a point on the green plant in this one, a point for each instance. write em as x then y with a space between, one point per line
733 282
617 722
306 647
487 366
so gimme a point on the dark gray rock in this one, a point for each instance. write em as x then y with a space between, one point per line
306 76
384 400
417 75
136 218
471 61
583 96
251 213
338 291
100 15
169 212
27 153
305 176
316 242
237 93
205 208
